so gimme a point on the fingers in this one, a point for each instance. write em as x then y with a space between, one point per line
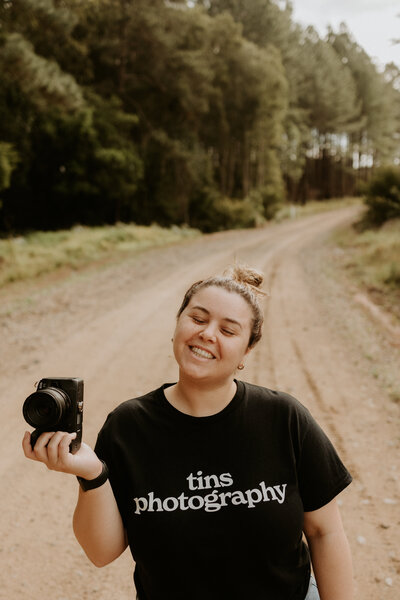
26 446
57 448
35 453
40 448
51 448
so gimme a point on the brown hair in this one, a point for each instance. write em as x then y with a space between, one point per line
242 280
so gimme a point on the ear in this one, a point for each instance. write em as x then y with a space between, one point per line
249 349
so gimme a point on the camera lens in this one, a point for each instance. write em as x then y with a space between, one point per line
45 408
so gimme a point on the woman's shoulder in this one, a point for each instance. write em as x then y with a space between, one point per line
134 407
276 400
287 413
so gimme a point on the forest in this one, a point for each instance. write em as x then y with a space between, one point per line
206 113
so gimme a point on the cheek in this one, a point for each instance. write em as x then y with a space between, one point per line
245 339
236 348
183 330
242 351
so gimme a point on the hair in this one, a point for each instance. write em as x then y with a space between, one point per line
238 279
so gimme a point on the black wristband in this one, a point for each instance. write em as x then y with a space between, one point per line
91 484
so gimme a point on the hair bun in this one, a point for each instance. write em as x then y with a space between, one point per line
246 276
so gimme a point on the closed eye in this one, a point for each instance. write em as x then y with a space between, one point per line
227 332
197 320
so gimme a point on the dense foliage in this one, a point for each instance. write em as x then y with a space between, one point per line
206 113
382 197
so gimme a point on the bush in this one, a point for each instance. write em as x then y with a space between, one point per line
238 214
267 199
209 211
212 212
383 197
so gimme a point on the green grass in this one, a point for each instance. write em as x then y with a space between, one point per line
373 259
28 257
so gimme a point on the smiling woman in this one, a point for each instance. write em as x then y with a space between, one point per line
211 340
218 323
246 283
212 481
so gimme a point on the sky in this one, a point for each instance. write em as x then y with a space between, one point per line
373 23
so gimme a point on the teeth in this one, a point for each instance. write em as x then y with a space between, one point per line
200 352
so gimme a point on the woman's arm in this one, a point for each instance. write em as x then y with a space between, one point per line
98 525
330 552
97 522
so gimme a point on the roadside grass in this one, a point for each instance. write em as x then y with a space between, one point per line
38 253
372 257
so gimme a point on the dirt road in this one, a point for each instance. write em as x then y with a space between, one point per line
113 328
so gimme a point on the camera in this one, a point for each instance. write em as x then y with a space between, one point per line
57 405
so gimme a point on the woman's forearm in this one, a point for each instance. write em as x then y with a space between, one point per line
332 565
98 525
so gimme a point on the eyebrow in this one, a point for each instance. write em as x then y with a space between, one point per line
224 318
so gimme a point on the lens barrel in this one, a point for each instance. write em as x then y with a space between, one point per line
46 408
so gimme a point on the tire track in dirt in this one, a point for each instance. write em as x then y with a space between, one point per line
318 396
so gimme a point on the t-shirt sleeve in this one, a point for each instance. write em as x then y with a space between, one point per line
112 433
102 446
321 473
106 448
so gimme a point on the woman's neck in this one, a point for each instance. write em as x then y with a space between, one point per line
200 400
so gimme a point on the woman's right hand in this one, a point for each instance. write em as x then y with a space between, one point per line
52 449
97 521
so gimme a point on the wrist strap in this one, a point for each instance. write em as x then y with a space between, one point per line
91 484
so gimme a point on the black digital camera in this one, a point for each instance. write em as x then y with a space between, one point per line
57 405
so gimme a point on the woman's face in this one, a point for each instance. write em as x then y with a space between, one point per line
212 335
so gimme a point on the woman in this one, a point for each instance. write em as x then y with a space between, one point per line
212 481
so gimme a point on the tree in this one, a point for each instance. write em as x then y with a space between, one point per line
77 158
247 109
40 79
8 162
373 141
180 112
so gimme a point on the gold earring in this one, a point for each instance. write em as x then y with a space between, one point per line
241 367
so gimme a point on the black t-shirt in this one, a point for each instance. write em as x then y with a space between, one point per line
213 506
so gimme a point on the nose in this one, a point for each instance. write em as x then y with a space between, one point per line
208 332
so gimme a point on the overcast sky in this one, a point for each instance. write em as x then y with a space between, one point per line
373 23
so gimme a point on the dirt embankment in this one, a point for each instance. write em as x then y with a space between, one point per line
113 328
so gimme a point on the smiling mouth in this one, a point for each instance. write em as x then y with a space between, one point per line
200 352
